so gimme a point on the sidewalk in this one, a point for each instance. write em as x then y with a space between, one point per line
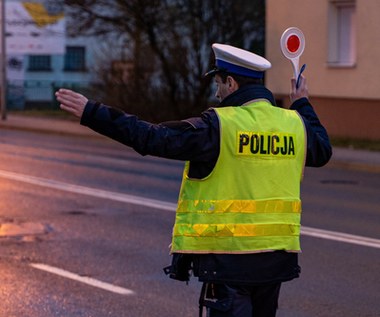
355 159
342 157
47 125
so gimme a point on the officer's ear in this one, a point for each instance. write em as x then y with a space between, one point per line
232 84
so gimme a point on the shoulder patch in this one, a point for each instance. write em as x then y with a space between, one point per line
195 122
206 119
177 125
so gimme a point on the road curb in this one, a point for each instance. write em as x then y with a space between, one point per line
46 125
362 167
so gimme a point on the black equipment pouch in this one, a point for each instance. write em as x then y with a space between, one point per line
180 268
217 297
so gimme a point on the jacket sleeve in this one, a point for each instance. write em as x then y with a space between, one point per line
189 140
319 149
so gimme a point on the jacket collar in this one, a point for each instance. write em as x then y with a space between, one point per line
248 93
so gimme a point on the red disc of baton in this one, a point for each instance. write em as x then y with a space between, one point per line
292 43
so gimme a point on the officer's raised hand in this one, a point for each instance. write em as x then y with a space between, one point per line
71 101
301 91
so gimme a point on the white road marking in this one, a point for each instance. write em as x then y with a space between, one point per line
83 279
77 189
341 237
158 204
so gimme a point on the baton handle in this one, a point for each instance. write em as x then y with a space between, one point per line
299 75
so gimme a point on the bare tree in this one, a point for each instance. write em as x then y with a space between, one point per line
168 42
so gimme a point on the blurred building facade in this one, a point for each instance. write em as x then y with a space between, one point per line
342 52
40 56
42 75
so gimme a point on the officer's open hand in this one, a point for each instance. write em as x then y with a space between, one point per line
302 90
71 101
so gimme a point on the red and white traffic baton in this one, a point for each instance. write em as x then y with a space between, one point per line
292 45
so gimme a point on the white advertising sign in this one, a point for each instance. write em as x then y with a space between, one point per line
35 27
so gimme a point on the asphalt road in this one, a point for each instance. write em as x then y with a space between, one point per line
91 225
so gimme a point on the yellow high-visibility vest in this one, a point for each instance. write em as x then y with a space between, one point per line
251 200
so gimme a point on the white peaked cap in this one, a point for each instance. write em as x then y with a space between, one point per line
237 61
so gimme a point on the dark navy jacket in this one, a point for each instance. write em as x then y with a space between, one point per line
197 140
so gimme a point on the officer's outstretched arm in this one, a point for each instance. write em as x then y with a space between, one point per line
71 101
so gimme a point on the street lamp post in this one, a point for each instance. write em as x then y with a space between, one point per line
3 77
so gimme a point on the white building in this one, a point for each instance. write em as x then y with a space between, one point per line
37 67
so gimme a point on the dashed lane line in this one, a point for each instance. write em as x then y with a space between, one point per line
162 205
83 279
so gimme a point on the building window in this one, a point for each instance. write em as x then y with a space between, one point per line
342 33
75 58
39 63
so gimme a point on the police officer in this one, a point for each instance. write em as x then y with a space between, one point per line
237 223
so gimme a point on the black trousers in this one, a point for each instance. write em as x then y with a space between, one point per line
222 300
